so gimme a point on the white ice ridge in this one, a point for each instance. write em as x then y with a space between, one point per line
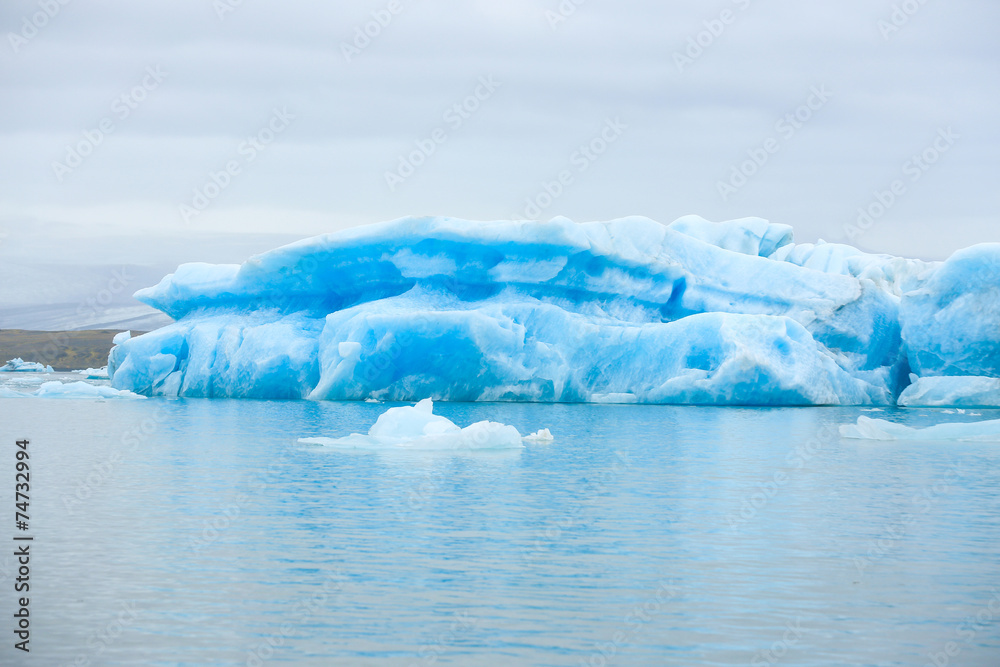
94 373
880 429
56 389
19 365
629 310
953 391
418 428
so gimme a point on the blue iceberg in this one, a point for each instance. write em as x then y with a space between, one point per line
628 310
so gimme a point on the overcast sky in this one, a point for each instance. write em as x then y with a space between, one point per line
672 99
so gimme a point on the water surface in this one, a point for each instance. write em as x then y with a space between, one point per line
199 532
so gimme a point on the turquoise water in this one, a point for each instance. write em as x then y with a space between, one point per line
199 532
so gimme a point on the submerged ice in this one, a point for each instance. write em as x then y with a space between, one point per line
880 429
629 310
418 428
57 389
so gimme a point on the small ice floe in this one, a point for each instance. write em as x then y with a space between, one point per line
417 428
948 412
56 389
872 410
19 365
94 373
880 429
541 435
372 400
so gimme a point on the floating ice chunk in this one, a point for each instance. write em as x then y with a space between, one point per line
56 389
94 373
541 435
417 428
620 397
412 422
952 391
19 365
880 429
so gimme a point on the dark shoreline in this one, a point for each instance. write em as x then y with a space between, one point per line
63 350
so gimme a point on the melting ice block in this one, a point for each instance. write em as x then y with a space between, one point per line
94 373
19 365
628 310
953 391
880 429
56 389
418 428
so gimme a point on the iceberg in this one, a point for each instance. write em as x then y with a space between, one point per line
952 391
629 310
417 428
80 389
19 365
94 373
880 429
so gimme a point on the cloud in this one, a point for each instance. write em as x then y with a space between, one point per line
560 83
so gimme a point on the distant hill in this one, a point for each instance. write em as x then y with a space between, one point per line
63 350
